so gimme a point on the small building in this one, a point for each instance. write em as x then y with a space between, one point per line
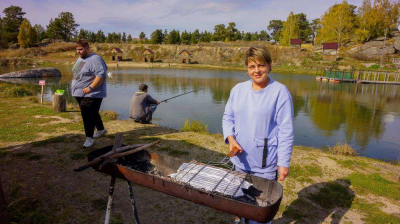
185 57
147 55
327 49
296 43
116 54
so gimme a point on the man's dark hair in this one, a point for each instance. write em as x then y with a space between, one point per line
143 87
82 43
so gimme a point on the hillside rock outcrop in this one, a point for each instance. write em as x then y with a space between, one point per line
33 73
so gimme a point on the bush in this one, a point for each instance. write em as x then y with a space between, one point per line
14 91
343 149
195 126
109 114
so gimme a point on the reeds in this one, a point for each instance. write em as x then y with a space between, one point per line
343 149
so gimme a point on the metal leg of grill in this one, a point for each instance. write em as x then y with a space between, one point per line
110 198
135 214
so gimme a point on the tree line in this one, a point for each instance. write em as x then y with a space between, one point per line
343 23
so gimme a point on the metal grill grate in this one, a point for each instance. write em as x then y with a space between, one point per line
212 179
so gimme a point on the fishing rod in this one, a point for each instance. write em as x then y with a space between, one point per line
180 95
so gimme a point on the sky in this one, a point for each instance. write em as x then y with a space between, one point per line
136 16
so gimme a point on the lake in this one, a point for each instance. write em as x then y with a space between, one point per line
366 116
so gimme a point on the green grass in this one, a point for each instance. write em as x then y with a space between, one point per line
12 90
303 173
57 139
352 163
375 184
18 122
373 213
174 152
195 126
333 195
29 155
26 209
99 203
77 156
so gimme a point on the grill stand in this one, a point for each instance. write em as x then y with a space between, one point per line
110 199
117 144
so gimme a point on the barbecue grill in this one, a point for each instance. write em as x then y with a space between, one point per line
260 201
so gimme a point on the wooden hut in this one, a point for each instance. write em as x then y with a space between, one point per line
147 55
185 57
116 54
296 43
327 56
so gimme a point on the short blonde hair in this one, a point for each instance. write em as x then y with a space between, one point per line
258 53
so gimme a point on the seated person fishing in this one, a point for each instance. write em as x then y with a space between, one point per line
143 106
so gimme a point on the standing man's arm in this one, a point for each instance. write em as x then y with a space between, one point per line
96 83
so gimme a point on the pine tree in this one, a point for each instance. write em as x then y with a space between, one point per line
129 39
123 37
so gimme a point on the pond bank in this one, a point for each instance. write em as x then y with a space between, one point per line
40 148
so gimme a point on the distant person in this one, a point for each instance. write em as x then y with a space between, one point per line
143 106
258 121
89 88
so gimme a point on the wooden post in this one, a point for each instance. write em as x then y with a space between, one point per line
59 103
41 95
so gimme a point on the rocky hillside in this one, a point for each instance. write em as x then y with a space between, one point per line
373 50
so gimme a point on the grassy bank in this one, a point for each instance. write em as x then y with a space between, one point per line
39 149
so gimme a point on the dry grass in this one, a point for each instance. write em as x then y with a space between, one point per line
37 51
109 114
343 149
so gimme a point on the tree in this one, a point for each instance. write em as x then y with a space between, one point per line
40 31
231 32
205 36
62 27
219 32
100 37
247 36
254 36
123 37
377 18
157 36
290 30
315 25
338 24
27 35
83 34
276 27
11 23
195 37
173 37
129 39
185 37
264 36
304 27
142 36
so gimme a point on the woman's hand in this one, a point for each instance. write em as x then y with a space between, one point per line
234 147
283 172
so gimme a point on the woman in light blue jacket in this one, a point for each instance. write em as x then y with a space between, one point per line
258 121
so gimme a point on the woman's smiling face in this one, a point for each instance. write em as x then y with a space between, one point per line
258 72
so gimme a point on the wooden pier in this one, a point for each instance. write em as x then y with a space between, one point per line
360 76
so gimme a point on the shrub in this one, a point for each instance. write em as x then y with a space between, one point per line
343 149
195 126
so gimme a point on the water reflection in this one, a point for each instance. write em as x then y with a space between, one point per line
366 116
